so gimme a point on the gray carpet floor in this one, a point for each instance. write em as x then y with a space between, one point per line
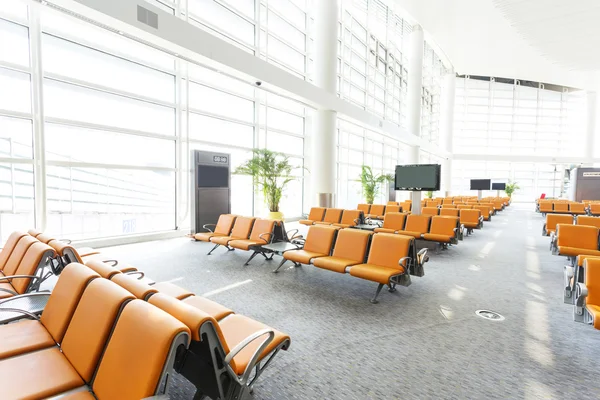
422 342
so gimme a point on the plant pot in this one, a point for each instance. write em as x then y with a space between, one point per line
276 215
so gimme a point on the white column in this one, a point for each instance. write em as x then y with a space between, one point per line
415 84
590 131
323 155
447 129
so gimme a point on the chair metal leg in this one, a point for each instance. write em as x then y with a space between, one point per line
392 288
374 299
279 266
251 257
213 249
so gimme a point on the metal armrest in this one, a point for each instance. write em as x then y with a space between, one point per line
292 236
265 233
20 296
4 278
422 256
140 273
208 229
400 261
19 311
67 241
158 397
112 263
581 293
242 345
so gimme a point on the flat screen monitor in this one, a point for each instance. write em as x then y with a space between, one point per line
213 177
418 177
481 184
498 186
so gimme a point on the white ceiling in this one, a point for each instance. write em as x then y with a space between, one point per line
550 41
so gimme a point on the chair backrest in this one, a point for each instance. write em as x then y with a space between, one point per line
485 210
394 221
553 219
392 203
394 208
364 208
139 289
37 255
9 246
92 323
316 214
577 207
64 299
418 223
350 217
351 244
406 206
224 224
450 212
101 268
443 225
578 236
377 209
464 207
429 211
592 280
139 352
33 232
44 238
319 239
387 249
589 221
561 206
333 215
470 216
262 226
595 208
10 268
242 227
546 206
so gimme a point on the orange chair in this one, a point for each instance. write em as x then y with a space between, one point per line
377 211
241 231
392 223
319 241
332 216
222 228
449 212
430 211
350 218
444 230
416 226
316 214
350 249
553 219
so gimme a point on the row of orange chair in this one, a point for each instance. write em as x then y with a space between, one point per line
441 229
378 211
386 259
553 219
333 216
561 207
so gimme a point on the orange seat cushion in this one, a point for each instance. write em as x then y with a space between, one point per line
375 273
335 264
6 286
82 395
236 328
437 238
595 312
301 256
471 225
37 375
416 235
384 230
224 240
215 310
574 251
581 258
306 222
205 236
244 244
23 337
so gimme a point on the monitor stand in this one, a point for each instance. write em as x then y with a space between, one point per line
479 194
498 193
416 203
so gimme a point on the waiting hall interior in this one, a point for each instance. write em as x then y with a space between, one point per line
299 199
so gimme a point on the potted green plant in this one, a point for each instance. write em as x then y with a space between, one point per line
511 187
271 172
371 183
430 194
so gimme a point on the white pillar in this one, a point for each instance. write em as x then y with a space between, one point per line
415 84
447 129
590 130
323 155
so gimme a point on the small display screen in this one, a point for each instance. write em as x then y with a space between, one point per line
481 184
498 186
211 176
